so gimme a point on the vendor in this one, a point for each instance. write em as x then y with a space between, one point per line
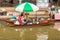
54 10
22 18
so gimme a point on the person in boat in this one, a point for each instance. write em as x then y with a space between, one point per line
22 19
17 22
11 20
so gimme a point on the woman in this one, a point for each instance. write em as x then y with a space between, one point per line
21 19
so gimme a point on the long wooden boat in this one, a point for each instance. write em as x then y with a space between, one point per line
46 22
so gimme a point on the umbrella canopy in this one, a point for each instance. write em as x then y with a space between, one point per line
26 7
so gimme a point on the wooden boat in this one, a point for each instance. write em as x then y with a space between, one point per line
45 22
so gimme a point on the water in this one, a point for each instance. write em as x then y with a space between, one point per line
42 37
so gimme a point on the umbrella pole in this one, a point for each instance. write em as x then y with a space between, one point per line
26 16
36 17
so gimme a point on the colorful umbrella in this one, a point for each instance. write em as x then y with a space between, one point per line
26 7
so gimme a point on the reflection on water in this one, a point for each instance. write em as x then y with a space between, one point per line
57 26
42 37
30 29
16 29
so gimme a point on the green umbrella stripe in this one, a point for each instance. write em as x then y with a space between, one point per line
27 8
